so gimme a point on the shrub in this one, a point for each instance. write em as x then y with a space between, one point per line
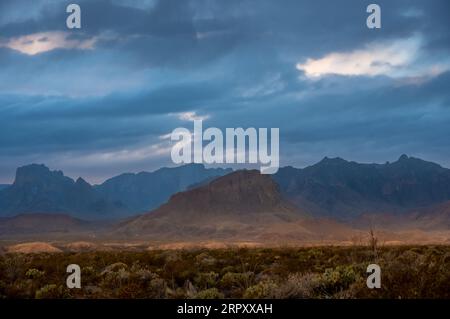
336 280
318 272
205 260
206 280
51 291
34 273
263 289
299 286
237 280
212 293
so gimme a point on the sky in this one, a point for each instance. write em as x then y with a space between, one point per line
102 100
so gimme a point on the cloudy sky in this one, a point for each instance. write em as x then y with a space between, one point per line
102 100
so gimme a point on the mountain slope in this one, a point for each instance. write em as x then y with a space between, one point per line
344 190
243 205
433 220
28 224
145 191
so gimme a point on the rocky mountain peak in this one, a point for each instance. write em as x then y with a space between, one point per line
38 174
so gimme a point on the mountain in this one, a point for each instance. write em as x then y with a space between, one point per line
243 205
333 200
332 188
29 224
144 191
343 190
36 189
434 218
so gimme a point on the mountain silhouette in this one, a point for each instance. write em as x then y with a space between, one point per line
37 189
343 189
326 201
333 188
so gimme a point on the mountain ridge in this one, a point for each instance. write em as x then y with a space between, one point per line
332 188
341 189
37 189
147 190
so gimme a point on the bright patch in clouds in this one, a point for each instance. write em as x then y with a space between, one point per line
191 116
37 43
395 59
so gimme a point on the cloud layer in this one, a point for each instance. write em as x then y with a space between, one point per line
99 101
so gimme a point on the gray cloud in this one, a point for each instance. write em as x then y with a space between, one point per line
234 61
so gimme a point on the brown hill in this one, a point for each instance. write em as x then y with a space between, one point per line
244 205
33 248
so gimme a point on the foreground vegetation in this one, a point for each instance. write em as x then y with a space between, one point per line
319 272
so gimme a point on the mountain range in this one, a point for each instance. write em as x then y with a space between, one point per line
332 200
37 189
344 190
329 200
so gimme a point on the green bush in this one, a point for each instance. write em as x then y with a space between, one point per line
51 291
263 289
212 293
34 273
337 280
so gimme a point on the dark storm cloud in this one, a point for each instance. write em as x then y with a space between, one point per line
170 31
